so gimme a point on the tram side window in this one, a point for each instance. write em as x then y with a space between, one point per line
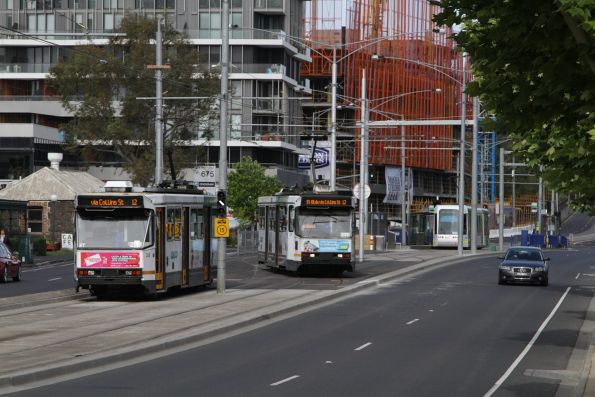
283 219
271 218
174 223
196 225
261 217
290 218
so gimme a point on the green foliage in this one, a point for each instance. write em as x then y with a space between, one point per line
534 68
39 246
100 84
246 183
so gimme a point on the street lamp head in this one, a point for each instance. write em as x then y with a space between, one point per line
437 89
53 198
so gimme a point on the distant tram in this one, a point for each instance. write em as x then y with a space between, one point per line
446 227
151 240
307 230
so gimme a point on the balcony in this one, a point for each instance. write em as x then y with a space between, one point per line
273 7
24 67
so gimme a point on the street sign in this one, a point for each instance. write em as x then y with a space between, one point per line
221 227
206 178
367 191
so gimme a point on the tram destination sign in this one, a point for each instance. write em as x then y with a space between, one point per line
110 201
326 202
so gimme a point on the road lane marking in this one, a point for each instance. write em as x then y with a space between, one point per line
527 348
577 276
285 380
54 279
431 310
412 321
362 347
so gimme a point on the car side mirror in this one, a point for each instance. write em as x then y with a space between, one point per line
546 259
500 257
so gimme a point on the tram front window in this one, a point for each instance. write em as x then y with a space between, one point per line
114 229
448 222
323 224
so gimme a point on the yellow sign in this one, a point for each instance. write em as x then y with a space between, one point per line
221 227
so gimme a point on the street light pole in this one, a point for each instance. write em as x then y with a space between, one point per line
333 181
362 171
461 197
223 124
501 203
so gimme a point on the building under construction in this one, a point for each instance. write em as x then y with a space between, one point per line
413 72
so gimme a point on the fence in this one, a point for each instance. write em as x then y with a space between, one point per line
245 242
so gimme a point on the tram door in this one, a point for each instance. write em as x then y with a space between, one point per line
205 225
160 257
173 245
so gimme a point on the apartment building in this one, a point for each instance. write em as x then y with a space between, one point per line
264 75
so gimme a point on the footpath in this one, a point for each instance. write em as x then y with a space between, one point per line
61 340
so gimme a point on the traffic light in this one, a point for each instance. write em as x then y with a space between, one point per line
371 174
221 206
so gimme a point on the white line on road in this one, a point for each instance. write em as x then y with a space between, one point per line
431 310
285 380
527 348
412 321
54 279
577 276
362 347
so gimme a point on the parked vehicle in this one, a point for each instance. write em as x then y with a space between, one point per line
525 265
10 265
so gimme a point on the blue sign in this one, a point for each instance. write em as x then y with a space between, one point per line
321 159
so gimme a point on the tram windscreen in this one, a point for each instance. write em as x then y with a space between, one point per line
114 229
448 222
327 223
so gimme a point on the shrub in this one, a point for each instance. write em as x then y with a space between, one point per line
39 246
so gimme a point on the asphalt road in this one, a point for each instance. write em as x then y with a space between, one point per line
40 279
451 331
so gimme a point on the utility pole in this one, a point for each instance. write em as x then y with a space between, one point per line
403 203
159 104
474 176
513 193
539 204
362 171
501 204
223 125
462 163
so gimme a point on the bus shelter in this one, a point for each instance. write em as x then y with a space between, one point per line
13 219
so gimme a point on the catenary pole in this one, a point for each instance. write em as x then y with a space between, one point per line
461 197
159 104
362 171
501 203
223 124
333 181
474 176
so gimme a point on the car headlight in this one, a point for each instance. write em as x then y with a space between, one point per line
505 268
538 269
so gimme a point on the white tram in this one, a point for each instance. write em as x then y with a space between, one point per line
446 226
307 230
151 239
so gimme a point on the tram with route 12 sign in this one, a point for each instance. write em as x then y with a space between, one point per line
307 231
149 239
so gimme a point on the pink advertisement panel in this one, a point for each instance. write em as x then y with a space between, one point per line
110 259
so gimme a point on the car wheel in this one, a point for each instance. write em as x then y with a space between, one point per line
19 275
500 281
4 278
545 282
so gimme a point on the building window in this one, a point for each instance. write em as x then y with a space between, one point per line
35 219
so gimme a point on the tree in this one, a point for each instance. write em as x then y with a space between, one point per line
246 183
99 86
534 67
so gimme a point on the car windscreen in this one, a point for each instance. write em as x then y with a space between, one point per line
523 255
448 222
